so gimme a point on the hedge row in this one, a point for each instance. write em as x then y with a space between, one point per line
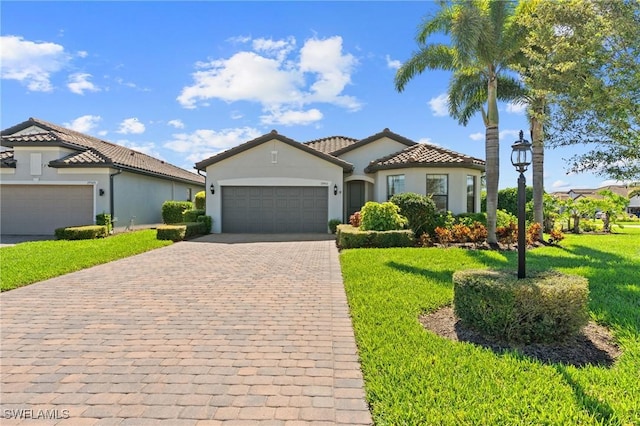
180 231
351 237
88 232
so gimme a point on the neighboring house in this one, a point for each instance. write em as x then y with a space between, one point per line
53 177
623 190
275 184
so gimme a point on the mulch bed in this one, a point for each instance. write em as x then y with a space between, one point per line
593 346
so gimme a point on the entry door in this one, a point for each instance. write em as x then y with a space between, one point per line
355 197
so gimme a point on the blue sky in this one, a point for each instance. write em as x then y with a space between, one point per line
185 80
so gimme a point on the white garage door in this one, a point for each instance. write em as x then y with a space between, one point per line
40 209
274 209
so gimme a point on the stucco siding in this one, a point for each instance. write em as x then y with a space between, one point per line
273 163
362 156
141 197
416 181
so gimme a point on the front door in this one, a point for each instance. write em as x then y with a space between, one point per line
355 197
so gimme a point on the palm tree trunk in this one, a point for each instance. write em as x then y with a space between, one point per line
538 170
492 152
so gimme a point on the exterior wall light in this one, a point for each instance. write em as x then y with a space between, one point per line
212 189
335 189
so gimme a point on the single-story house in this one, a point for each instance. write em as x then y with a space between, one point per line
52 177
275 184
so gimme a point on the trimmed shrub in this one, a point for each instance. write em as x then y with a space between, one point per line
354 219
351 237
333 225
171 232
381 217
172 211
544 307
104 219
88 232
192 215
419 210
194 229
201 200
208 222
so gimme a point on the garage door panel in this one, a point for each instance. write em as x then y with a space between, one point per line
40 209
274 209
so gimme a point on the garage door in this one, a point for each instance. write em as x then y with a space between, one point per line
40 209
274 209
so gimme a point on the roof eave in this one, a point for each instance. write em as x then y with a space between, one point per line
385 133
375 168
202 165
122 167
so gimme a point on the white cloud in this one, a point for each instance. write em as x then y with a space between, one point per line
204 143
31 63
560 185
84 124
613 182
148 148
517 108
236 115
272 76
178 124
440 105
79 83
278 49
394 64
82 54
509 134
290 118
479 136
131 125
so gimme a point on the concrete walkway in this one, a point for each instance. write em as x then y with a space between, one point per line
219 330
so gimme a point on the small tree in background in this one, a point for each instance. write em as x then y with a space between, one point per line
611 205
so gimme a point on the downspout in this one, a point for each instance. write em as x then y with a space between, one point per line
111 197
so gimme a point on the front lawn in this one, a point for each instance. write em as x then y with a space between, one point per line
30 262
414 377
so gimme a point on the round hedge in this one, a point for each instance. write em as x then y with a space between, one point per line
544 307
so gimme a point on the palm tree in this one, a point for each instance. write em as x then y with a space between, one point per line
483 43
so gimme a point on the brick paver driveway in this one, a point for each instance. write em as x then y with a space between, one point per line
198 333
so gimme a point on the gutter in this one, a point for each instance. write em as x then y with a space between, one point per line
111 197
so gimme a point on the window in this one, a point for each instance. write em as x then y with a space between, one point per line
438 189
471 194
189 194
395 185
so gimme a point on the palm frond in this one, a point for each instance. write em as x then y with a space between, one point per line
433 56
467 94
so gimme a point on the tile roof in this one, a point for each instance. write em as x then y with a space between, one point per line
7 160
202 165
425 155
331 144
385 133
94 151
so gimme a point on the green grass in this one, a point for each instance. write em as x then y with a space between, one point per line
30 262
414 377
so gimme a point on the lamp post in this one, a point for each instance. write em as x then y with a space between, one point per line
521 158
